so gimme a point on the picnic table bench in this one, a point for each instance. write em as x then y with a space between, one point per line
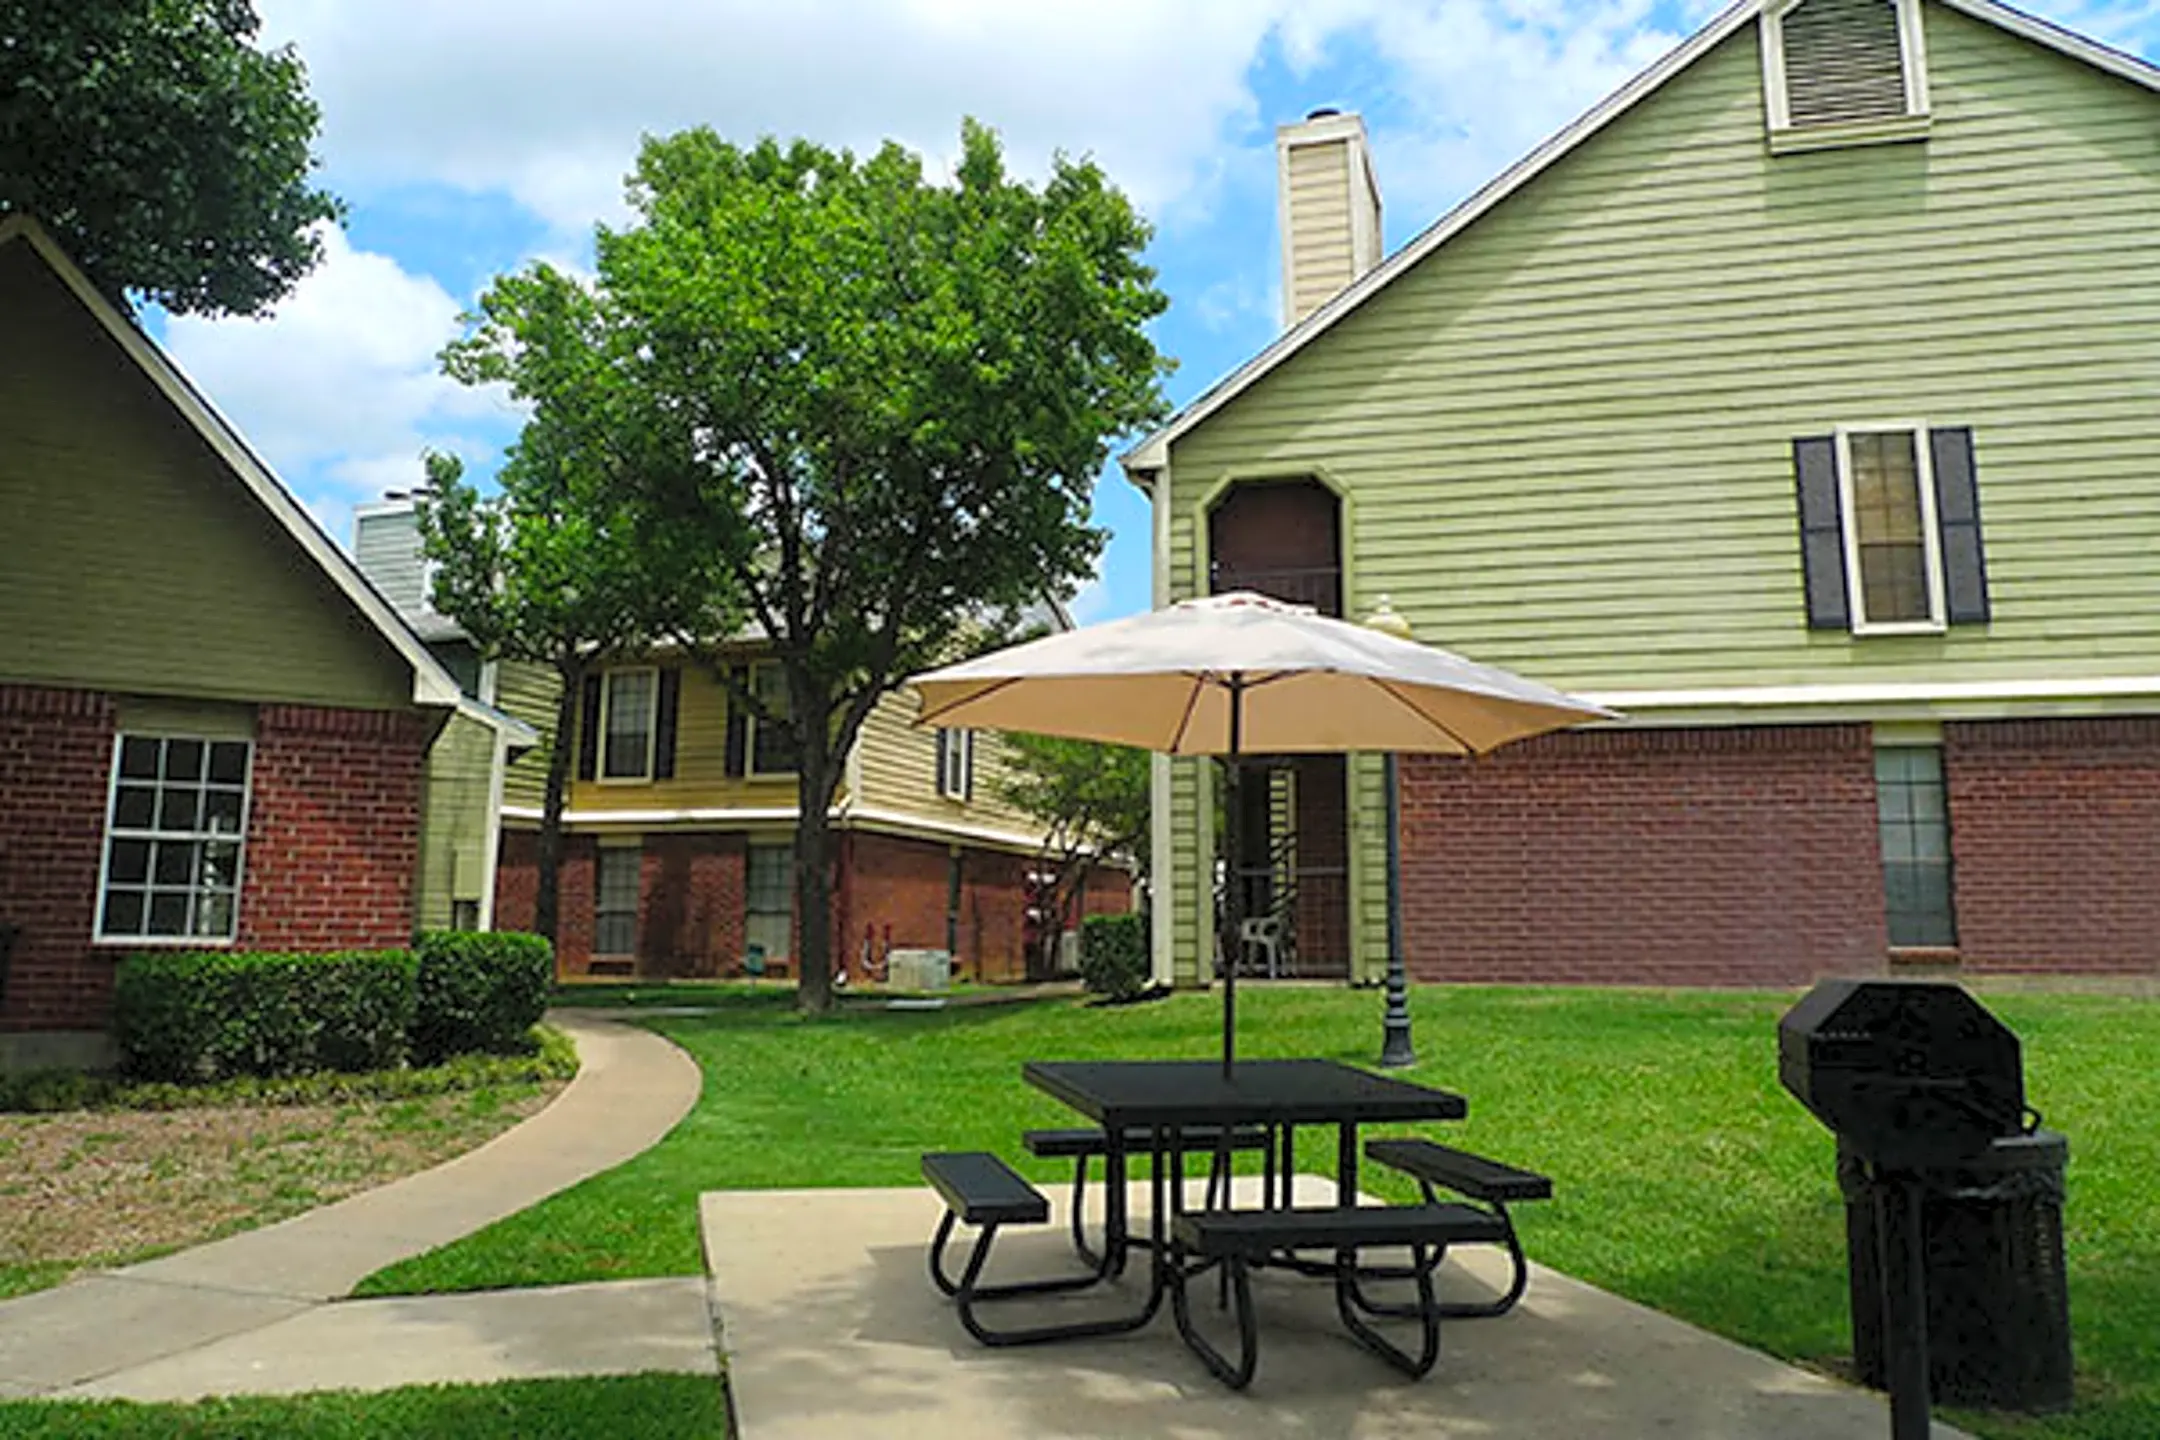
1081 1144
1492 1183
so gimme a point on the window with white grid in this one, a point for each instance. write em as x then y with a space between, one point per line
175 828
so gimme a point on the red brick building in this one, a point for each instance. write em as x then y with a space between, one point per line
213 732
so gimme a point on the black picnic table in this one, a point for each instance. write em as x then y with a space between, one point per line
1158 1098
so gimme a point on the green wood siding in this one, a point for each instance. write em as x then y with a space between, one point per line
528 692
1568 431
455 819
136 560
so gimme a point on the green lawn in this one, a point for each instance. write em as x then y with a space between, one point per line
633 1407
1687 1179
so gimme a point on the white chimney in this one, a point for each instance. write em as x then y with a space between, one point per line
1328 208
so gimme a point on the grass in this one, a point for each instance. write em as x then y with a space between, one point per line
1687 1179
632 1407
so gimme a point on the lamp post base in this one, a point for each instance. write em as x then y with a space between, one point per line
1395 1047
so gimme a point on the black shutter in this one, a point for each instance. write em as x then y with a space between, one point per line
663 765
1957 512
1822 533
967 776
944 747
736 736
588 750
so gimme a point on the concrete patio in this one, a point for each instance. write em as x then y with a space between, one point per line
831 1327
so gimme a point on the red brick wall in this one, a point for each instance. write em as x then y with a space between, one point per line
690 924
1686 857
517 887
333 829
332 844
2055 835
55 761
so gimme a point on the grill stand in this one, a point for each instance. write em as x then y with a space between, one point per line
1899 1229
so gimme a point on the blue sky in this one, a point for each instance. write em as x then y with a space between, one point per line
471 137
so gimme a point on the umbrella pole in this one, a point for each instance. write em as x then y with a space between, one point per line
1234 901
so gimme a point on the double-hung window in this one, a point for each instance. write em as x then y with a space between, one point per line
771 748
1912 807
175 828
628 707
956 764
615 900
1890 530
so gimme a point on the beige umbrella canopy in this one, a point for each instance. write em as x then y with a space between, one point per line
1241 674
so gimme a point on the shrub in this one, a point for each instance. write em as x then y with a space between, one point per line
1114 955
190 1016
479 991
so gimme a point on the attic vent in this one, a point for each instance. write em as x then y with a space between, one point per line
1844 72
1843 62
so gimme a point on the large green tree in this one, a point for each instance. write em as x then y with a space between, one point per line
165 151
890 396
557 568
1093 802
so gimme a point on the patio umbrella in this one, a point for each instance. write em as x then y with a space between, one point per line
1241 674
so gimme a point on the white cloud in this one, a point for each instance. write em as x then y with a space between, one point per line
339 388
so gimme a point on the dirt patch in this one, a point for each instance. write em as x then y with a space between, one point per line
88 1190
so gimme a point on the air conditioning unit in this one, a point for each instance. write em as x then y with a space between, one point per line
919 969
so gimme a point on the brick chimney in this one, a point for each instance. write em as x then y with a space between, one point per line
1328 207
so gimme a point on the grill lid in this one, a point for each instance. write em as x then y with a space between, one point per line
1907 1073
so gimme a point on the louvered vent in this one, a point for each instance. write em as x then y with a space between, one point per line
1843 62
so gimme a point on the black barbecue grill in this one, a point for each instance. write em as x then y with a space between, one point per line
1925 1090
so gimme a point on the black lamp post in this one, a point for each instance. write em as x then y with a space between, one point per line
1395 1048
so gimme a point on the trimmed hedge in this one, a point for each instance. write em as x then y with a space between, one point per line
1114 955
479 991
188 1016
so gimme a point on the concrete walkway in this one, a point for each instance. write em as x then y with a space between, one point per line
832 1328
252 1312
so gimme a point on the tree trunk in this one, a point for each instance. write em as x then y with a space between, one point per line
547 898
814 846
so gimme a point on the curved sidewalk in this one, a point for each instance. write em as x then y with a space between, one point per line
631 1088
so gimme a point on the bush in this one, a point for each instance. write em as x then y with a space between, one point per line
1114 955
479 992
190 1016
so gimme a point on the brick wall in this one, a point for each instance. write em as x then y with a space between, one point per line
55 760
690 923
2054 834
517 887
332 843
1692 857
333 829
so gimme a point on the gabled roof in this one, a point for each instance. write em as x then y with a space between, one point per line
432 684
1153 453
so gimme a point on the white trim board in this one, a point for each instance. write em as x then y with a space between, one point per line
845 817
1153 453
432 684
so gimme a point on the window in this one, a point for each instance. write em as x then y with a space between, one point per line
626 726
465 914
1915 823
1843 72
956 764
1890 530
769 903
615 900
1891 554
771 748
175 828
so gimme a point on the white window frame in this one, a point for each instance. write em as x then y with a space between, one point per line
750 729
98 934
1786 137
1930 532
652 724
955 775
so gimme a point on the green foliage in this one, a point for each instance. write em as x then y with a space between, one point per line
1114 955
1091 796
167 153
479 991
544 1054
187 1016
